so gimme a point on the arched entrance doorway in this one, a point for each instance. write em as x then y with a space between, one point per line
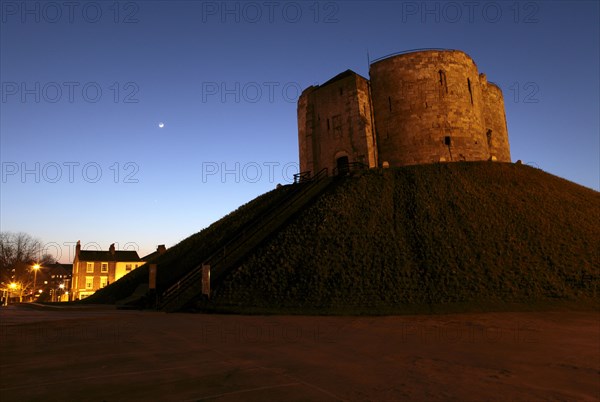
343 165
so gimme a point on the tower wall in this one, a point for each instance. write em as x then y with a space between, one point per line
335 121
428 107
495 121
305 131
419 107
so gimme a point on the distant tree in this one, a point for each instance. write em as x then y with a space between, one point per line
19 252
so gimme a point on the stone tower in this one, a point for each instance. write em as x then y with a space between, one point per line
335 123
418 107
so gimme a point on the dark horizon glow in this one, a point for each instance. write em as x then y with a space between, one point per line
85 86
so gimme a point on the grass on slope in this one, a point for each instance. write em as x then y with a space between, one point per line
191 252
464 234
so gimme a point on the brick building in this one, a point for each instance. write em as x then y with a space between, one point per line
57 281
93 269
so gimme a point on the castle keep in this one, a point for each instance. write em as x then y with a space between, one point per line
418 107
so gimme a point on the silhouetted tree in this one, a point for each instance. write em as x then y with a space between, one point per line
19 252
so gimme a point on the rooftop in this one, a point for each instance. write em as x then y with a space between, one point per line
117 255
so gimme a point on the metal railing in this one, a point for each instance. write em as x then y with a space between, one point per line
230 248
181 285
411 51
302 177
229 253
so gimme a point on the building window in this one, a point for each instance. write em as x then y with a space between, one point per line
447 140
103 281
127 267
89 282
104 267
90 267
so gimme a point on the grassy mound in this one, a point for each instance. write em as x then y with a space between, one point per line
460 234
191 252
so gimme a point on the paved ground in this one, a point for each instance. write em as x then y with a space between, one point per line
109 355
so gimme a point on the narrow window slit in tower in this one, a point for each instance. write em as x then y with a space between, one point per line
390 102
443 82
470 92
448 143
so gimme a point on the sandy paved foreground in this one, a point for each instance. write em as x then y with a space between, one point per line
144 356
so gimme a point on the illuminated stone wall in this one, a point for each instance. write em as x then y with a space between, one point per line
335 121
418 107
495 121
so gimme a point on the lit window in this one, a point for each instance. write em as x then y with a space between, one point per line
89 282
104 267
90 267
103 281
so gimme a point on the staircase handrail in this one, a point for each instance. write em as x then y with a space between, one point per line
250 229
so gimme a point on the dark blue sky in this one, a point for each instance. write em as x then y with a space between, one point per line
86 84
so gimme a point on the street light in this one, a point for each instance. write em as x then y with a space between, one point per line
61 287
35 269
58 292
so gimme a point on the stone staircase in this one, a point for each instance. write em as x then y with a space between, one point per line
208 274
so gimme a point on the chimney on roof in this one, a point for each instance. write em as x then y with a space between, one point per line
78 248
112 249
161 249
